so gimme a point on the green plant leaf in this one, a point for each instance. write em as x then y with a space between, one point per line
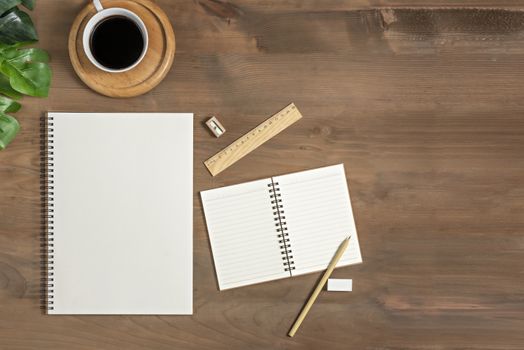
22 71
9 127
8 4
24 55
29 4
6 89
27 70
4 47
15 27
32 79
9 106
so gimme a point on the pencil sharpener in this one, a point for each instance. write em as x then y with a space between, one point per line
215 126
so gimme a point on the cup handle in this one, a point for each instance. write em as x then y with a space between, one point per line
98 5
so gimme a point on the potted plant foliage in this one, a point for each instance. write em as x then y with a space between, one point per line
23 70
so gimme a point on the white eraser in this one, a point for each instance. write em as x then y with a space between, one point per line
340 285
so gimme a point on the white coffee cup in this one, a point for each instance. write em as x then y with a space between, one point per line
102 14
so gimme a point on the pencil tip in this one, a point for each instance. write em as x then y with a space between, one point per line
348 237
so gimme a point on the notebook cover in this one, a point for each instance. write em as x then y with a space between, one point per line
120 203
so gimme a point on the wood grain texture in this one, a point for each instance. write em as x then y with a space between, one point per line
147 74
425 108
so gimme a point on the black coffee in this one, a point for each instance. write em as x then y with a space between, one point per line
117 42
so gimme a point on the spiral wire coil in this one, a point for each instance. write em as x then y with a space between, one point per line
281 226
47 197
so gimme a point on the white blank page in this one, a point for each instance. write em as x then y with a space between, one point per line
318 217
123 207
243 234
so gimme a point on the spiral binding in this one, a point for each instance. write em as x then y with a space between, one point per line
281 226
47 199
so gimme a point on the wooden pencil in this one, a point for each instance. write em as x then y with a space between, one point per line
340 251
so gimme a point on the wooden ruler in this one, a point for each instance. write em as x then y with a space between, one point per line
253 139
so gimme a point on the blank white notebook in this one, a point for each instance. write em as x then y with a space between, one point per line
120 209
280 227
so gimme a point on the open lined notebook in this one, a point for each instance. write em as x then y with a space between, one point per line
280 227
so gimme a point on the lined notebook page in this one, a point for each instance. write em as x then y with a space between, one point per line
318 216
243 234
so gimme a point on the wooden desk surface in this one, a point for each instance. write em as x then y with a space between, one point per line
425 108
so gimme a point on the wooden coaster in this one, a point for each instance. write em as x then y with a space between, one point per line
146 75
